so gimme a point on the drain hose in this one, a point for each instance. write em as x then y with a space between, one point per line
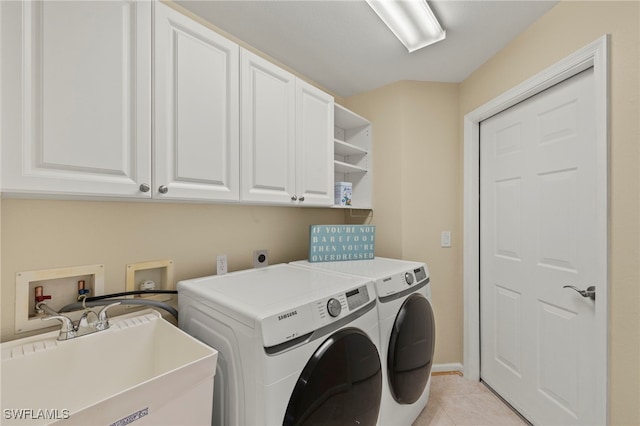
78 305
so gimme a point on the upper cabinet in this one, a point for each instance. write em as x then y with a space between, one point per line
285 137
314 150
196 110
353 160
78 81
268 105
76 97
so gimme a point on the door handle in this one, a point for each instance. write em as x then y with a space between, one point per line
589 292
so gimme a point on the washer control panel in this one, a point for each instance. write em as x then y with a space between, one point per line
334 307
420 273
408 278
342 304
357 297
298 321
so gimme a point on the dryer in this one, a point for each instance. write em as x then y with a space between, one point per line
407 331
295 346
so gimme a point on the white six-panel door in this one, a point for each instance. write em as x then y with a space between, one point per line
538 222
196 110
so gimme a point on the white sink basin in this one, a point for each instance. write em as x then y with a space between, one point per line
141 371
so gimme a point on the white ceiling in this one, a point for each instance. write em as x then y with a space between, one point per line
344 46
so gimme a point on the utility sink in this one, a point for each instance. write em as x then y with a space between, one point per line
141 371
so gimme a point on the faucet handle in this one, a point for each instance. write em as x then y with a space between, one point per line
67 331
103 318
84 319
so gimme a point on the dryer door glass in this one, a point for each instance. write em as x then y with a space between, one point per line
341 383
411 346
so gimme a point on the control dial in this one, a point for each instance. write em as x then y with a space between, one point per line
334 307
408 278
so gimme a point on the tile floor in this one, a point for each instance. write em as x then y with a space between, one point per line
455 400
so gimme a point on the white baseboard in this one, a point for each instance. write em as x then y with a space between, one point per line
443 368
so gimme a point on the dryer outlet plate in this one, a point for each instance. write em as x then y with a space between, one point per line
260 258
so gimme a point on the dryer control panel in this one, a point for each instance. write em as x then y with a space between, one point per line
299 321
400 281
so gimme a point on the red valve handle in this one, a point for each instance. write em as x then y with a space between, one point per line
40 295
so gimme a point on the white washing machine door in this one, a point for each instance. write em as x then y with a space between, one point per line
411 347
341 384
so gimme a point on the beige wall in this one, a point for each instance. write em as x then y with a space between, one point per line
404 138
38 234
416 191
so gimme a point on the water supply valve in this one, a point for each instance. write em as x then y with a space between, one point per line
40 296
82 291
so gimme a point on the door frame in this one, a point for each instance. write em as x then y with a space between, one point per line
593 55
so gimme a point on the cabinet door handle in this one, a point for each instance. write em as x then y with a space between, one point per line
144 187
294 198
301 198
163 189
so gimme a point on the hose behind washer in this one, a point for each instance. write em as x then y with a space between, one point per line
79 305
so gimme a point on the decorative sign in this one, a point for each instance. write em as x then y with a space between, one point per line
334 243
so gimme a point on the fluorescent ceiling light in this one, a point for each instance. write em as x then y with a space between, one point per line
412 21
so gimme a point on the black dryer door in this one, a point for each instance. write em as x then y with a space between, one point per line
411 346
340 385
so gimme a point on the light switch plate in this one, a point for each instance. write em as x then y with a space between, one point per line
445 239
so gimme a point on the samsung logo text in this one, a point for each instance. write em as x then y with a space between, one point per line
287 315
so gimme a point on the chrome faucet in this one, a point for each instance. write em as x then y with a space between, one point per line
71 329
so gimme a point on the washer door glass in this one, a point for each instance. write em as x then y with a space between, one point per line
341 383
411 346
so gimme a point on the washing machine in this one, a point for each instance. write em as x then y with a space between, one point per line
407 331
295 346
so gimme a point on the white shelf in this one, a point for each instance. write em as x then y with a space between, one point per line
343 148
352 156
343 167
352 207
346 119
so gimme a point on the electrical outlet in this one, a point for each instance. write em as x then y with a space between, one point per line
260 258
222 264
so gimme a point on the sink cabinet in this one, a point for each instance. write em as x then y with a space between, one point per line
142 368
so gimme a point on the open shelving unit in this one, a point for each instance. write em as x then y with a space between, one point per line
352 155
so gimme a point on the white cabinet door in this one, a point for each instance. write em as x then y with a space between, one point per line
314 145
267 131
196 110
76 97
286 137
